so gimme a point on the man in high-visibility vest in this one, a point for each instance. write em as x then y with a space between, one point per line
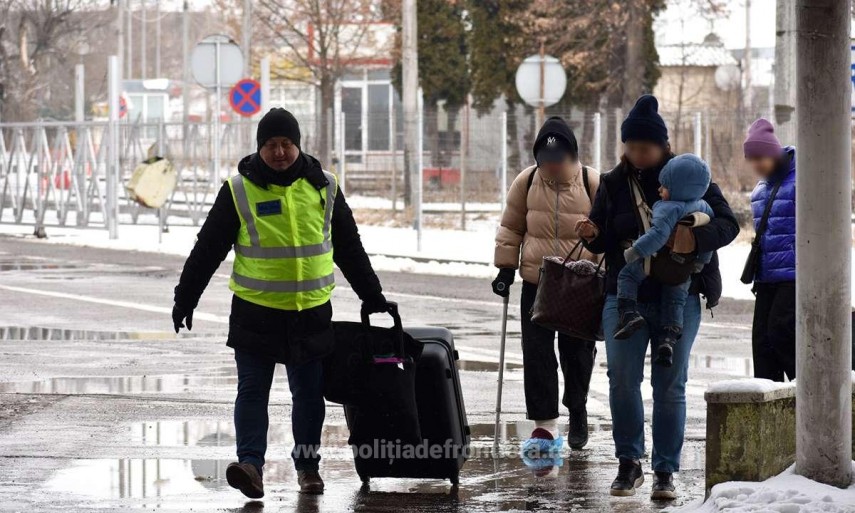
288 222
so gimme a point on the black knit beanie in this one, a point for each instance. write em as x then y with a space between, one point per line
643 123
555 141
278 122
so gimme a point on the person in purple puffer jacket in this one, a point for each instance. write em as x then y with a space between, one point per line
774 331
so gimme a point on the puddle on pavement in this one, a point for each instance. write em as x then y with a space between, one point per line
217 378
724 364
478 366
576 482
17 263
43 333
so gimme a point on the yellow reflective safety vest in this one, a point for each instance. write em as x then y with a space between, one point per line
284 252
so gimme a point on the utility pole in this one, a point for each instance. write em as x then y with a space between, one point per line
143 41
746 72
130 34
246 37
541 108
823 239
785 71
410 93
157 38
185 87
120 32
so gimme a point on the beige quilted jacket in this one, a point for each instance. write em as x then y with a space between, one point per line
539 221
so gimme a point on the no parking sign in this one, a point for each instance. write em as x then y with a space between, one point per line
245 97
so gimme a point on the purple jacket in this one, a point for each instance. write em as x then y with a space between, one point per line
778 245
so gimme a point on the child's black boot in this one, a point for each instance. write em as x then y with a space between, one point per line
630 320
665 347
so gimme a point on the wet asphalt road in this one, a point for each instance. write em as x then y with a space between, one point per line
103 408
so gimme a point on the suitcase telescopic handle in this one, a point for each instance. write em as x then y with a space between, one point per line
398 327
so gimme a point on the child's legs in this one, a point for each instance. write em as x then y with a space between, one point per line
673 301
629 278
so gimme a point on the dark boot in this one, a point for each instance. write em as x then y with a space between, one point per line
246 478
665 345
577 434
310 482
630 320
628 479
663 487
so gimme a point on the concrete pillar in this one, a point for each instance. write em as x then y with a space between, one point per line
823 242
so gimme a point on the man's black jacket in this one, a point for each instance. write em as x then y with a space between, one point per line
615 215
287 336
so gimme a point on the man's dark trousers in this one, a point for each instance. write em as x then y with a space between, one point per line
255 377
774 330
540 367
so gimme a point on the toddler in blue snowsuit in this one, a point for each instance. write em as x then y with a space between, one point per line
684 180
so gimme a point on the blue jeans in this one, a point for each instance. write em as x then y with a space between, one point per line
626 360
673 298
255 377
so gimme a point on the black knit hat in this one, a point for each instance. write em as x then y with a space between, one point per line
643 123
278 122
555 141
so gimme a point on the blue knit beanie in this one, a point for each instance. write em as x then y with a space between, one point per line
643 123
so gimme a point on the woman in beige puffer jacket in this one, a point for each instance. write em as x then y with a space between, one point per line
543 205
538 221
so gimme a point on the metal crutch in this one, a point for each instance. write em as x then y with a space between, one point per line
505 302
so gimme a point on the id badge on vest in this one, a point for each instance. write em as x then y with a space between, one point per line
268 208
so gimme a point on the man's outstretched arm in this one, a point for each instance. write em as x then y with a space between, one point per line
215 239
349 255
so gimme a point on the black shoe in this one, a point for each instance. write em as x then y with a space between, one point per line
630 322
665 346
629 478
577 434
663 487
246 478
310 482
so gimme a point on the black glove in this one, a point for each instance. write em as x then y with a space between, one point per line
502 283
376 304
180 316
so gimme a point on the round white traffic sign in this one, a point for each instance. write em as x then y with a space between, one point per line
529 84
203 62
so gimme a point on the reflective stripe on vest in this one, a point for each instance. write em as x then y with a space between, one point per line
296 244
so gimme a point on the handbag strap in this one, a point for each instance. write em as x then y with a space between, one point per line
764 219
397 329
644 214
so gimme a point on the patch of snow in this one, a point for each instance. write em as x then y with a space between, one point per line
784 493
748 385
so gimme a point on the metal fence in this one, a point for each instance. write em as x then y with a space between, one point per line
60 173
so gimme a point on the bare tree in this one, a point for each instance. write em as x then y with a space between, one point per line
319 40
38 39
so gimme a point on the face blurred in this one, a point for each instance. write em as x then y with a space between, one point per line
644 154
762 166
555 169
664 193
279 153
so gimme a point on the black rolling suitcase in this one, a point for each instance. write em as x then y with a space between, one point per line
442 418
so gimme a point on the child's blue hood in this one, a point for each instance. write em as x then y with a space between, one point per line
686 177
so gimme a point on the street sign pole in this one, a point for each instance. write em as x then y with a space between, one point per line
216 62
